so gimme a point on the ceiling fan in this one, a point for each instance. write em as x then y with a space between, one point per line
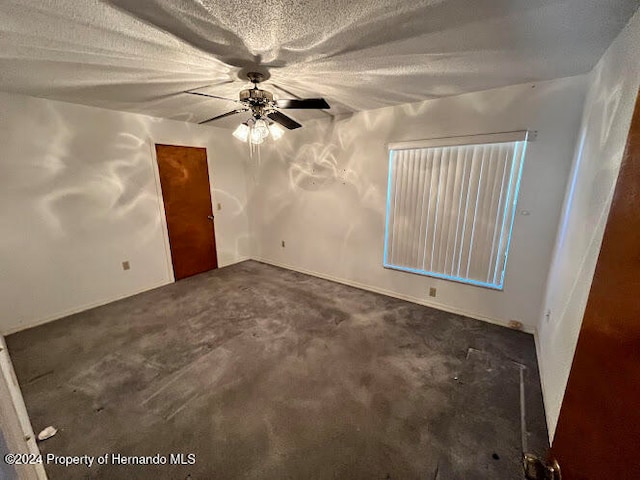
265 111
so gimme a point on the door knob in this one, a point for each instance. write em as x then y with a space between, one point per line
210 217
536 469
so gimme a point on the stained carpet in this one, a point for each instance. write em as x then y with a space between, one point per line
265 373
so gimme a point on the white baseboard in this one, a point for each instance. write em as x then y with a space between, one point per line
236 260
99 303
541 367
391 293
344 281
78 309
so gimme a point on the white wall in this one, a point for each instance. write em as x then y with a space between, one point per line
79 194
323 191
613 86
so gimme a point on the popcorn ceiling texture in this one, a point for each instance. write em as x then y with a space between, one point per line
359 54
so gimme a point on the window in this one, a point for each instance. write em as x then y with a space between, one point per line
451 204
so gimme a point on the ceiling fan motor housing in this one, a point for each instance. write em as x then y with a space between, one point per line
262 106
256 96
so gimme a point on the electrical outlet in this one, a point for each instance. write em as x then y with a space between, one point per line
432 292
126 265
282 243
219 206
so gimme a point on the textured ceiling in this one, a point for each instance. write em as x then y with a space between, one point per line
139 55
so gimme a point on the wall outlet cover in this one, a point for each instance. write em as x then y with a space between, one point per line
126 265
432 292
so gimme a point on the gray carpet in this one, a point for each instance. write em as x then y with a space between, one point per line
264 373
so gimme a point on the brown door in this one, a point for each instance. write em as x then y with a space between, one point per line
184 177
598 435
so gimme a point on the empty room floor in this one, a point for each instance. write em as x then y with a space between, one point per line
265 373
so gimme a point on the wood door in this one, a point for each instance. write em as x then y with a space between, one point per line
184 177
598 434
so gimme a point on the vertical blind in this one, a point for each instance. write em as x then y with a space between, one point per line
450 210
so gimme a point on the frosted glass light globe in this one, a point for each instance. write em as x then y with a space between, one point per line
242 132
261 127
256 136
276 131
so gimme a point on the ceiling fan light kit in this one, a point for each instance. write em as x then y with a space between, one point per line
257 131
276 131
242 132
266 117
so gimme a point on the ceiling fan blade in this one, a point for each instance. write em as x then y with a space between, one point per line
306 103
209 96
283 120
228 114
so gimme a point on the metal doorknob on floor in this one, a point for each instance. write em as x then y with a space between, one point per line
210 217
536 469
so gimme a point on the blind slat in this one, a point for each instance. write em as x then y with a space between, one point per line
450 210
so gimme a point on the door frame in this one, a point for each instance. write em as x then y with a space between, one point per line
19 435
161 211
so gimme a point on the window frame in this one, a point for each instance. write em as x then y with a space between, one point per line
523 136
